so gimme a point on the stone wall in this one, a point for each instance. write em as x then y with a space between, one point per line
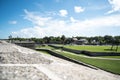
28 45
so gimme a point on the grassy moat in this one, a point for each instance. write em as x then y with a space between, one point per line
107 63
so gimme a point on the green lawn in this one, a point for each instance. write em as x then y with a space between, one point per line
44 52
44 47
108 65
92 48
116 57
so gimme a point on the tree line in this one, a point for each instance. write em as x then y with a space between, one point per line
100 40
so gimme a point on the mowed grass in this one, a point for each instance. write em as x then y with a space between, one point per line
44 52
108 65
93 48
44 47
115 57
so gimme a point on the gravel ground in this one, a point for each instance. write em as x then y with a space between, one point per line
12 54
19 63
21 73
18 58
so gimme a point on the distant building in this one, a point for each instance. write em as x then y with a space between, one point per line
94 42
74 40
82 42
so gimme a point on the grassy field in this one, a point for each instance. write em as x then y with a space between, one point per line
116 57
108 65
44 47
92 48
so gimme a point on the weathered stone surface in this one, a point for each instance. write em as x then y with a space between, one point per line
19 58
12 54
21 73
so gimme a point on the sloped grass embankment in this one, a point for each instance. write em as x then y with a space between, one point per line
107 65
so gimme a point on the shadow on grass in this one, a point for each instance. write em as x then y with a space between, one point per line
109 49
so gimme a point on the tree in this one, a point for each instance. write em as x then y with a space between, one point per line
117 41
108 39
46 39
68 41
63 38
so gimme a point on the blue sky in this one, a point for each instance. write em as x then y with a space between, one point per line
39 18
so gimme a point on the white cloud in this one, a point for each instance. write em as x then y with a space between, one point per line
78 9
55 27
12 22
63 13
29 32
72 19
115 6
37 20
